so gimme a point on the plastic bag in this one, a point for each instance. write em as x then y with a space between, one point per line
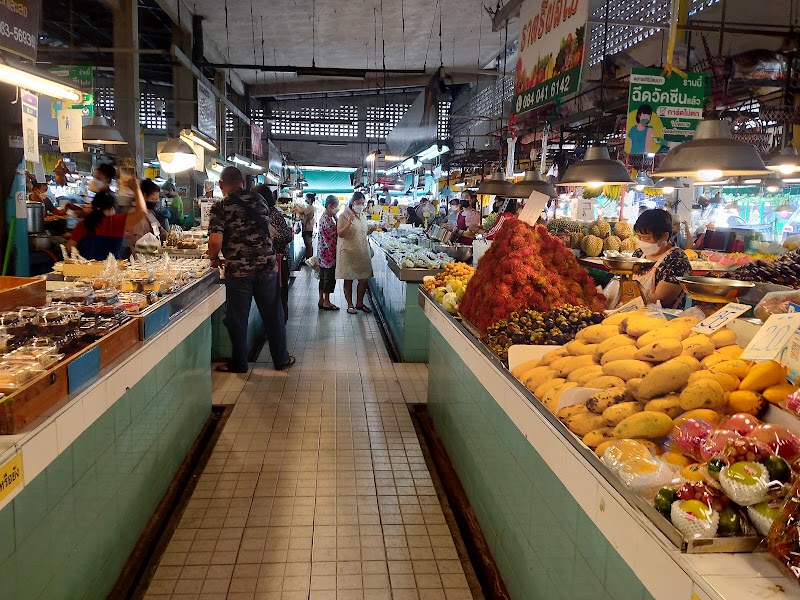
611 292
313 262
148 244
774 303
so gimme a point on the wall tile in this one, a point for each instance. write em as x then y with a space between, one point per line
69 424
39 451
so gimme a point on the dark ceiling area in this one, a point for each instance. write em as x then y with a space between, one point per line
75 32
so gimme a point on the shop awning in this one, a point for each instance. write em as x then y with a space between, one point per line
322 182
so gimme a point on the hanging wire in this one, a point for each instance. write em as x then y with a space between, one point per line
253 28
313 33
403 22
441 53
430 36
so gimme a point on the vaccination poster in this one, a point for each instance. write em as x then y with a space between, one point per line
663 110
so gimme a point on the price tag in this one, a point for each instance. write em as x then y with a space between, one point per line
793 307
721 318
773 337
791 358
634 304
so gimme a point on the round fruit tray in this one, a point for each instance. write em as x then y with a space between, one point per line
714 286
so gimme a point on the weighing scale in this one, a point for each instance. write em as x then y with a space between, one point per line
624 268
708 293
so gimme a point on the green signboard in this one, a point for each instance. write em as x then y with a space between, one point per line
663 110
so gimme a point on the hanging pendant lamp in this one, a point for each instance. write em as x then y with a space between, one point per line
711 154
643 180
176 156
596 169
532 182
495 185
669 184
786 163
773 183
99 131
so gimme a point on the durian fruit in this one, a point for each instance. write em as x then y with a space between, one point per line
629 244
592 245
600 229
623 230
563 225
575 240
612 243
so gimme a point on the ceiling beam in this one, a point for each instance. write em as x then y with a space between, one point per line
299 85
179 12
504 14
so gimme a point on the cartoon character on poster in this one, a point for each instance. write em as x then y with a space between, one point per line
644 132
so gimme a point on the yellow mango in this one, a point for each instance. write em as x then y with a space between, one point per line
645 424
626 369
736 367
763 375
777 394
723 337
620 353
744 401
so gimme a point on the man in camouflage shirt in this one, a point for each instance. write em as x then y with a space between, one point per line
239 227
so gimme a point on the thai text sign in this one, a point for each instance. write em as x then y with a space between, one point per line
552 46
662 110
10 475
19 27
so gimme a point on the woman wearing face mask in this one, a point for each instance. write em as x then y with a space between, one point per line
654 228
641 134
102 232
149 224
508 210
353 260
469 220
452 215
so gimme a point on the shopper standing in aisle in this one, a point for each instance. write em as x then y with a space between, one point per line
239 227
353 260
102 232
326 253
282 236
309 215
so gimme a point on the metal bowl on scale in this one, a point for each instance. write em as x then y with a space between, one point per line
631 264
714 286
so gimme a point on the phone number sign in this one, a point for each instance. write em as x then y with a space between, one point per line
19 27
549 91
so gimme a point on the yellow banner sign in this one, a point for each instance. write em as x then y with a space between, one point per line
10 475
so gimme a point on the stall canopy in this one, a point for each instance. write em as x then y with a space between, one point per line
328 181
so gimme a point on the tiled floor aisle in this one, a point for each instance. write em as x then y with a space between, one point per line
317 488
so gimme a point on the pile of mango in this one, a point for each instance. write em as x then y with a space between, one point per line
650 372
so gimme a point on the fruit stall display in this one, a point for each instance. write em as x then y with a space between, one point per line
676 417
784 270
557 326
595 238
449 286
410 255
526 268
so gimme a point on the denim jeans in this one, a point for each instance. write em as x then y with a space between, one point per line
239 294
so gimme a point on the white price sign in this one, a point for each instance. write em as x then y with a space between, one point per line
721 318
634 304
773 337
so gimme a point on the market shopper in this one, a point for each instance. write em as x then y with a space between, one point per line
681 236
660 283
326 253
468 223
150 224
507 211
309 216
353 260
281 235
103 231
102 177
239 227
39 194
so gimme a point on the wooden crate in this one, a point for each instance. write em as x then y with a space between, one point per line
25 405
21 291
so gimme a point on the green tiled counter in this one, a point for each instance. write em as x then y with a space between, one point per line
557 529
96 469
398 302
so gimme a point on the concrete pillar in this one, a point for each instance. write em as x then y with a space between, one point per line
126 81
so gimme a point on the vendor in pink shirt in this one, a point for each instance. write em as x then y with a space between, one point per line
508 210
468 222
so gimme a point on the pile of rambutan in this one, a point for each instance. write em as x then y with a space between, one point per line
526 268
